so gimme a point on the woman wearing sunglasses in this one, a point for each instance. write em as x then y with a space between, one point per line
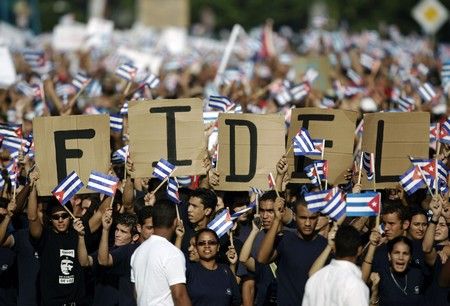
209 282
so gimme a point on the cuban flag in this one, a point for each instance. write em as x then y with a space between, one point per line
300 91
422 69
80 80
127 72
427 92
120 155
354 77
15 144
283 97
303 145
163 169
310 75
222 223
444 132
102 183
11 168
412 180
365 204
35 59
327 102
316 201
445 73
151 81
172 190
10 130
68 187
255 191
271 181
405 104
369 165
318 147
25 89
116 123
221 103
124 109
335 207
316 171
367 61
2 182
243 211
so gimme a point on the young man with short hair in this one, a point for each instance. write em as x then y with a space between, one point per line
158 268
295 253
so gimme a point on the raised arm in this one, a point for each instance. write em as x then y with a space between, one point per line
35 225
266 252
104 257
244 256
179 233
96 220
128 189
282 168
83 258
366 268
322 259
4 240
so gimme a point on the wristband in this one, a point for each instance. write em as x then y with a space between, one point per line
434 222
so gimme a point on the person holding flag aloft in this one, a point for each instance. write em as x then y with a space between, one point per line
57 246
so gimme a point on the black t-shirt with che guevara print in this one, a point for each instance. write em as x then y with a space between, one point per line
61 277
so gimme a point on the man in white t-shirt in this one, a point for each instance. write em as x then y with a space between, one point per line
157 266
340 282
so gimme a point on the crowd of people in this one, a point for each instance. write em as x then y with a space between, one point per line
138 248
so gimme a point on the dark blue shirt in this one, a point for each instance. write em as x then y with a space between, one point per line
295 258
212 287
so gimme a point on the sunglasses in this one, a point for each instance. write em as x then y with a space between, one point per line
207 242
60 216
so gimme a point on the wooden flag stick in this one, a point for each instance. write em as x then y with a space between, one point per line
423 177
360 167
323 149
164 180
127 88
74 99
289 149
70 213
231 239
176 204
274 184
318 177
257 203
436 185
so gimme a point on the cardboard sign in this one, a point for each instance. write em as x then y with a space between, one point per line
319 63
392 137
69 37
169 129
337 128
70 143
249 148
7 68
163 13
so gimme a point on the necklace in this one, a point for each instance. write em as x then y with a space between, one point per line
397 284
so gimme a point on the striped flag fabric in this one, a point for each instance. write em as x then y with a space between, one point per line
327 102
354 77
243 211
367 61
80 80
172 190
405 104
303 142
336 204
255 190
34 58
369 165
65 90
124 109
426 92
317 171
428 167
422 69
412 180
127 72
15 144
116 123
445 73
25 89
11 168
443 129
184 180
300 91
102 183
283 97
222 103
434 132
318 147
316 201
2 182
67 188
310 75
163 169
151 81
10 130
222 223
120 155
365 204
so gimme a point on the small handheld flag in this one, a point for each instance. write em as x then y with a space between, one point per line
221 223
116 123
221 103
151 81
172 190
412 180
369 165
126 72
120 155
365 204
163 169
335 207
102 183
316 201
80 80
67 188
303 143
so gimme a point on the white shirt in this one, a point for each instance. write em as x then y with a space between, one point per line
339 283
155 266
